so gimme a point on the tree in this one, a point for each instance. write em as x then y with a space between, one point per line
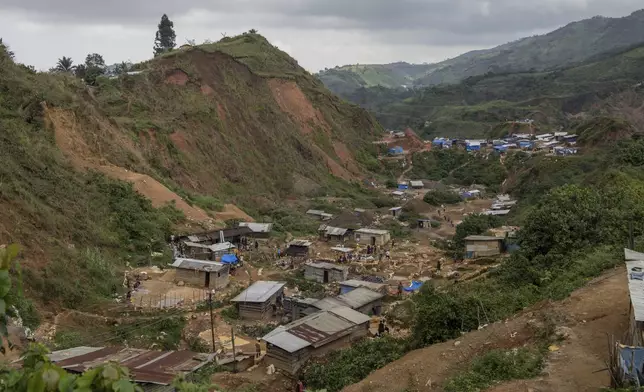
122 68
65 64
5 48
94 67
165 39
252 31
94 60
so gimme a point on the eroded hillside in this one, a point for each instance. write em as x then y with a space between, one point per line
93 177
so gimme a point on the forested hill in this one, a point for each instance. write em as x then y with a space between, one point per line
569 45
485 104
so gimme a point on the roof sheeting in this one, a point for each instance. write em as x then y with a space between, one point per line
325 265
198 265
635 275
417 184
330 230
360 297
259 291
145 366
328 303
304 243
221 247
372 231
482 238
257 227
363 283
342 249
315 329
497 212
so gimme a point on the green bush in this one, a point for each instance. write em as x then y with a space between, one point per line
439 197
495 366
230 313
67 339
435 224
348 366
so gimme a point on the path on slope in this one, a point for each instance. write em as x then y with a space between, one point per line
599 308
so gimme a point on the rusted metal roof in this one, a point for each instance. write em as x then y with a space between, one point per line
145 366
316 329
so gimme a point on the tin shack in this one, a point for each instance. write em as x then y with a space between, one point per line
482 245
258 301
324 272
204 273
290 346
372 237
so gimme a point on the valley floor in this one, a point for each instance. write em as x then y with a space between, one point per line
592 313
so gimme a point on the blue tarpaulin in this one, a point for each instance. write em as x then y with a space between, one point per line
229 258
403 186
631 362
415 285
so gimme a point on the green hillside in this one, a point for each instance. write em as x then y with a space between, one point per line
572 44
87 170
484 103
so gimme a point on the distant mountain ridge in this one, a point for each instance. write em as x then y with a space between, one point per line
568 45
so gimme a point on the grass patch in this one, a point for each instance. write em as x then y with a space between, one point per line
496 366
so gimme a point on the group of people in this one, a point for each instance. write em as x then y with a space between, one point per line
444 215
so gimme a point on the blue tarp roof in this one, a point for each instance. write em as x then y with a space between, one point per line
415 285
229 258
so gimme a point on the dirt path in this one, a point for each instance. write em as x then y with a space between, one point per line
591 312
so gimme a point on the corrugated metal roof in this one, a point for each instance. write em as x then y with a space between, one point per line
635 275
397 193
335 230
145 366
259 291
372 231
304 243
199 265
342 249
395 209
328 303
224 246
359 297
630 255
362 283
314 328
351 315
482 238
196 245
257 227
325 265
497 212
417 184
315 212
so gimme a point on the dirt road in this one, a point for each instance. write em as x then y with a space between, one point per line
591 312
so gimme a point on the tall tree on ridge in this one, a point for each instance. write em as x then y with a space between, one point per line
165 39
65 64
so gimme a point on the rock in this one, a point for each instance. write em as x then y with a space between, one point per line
457 343
563 332
181 283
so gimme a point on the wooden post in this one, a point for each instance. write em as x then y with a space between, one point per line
212 321
232 335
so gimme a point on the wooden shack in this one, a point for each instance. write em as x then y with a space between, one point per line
258 230
202 273
334 234
258 301
372 237
298 248
352 284
290 346
482 246
324 272
360 299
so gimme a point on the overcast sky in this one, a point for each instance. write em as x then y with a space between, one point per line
318 33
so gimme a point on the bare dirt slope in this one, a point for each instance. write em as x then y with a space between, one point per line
598 309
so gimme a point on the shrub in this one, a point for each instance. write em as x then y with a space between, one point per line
495 366
348 366
435 224
230 313
438 197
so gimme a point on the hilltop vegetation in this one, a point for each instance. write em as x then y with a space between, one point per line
237 121
572 44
